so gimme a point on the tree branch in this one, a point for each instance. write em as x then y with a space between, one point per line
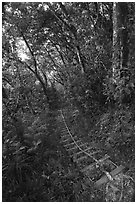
61 56
31 52
5 79
73 30
24 63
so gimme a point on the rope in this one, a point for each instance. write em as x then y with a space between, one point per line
89 155
97 161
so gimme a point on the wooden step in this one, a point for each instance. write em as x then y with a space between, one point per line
73 148
64 132
68 136
88 148
81 152
110 163
75 137
77 154
81 145
88 168
105 179
66 140
72 143
80 158
63 127
64 136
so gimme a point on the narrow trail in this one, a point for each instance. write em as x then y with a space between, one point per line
98 168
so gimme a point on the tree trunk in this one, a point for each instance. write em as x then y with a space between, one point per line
120 48
116 55
43 85
123 9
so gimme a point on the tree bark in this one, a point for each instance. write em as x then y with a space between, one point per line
120 39
120 47
116 55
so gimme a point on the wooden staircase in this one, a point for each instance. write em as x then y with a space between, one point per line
88 157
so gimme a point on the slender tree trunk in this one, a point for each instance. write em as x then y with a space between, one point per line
116 56
42 84
123 9
30 105
120 46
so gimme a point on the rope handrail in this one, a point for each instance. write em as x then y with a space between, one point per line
109 175
96 160
89 155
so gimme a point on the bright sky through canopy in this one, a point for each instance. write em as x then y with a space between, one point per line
22 50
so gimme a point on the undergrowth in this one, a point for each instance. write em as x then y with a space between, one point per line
36 170
114 133
113 129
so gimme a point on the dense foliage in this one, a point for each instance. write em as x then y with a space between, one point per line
72 55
